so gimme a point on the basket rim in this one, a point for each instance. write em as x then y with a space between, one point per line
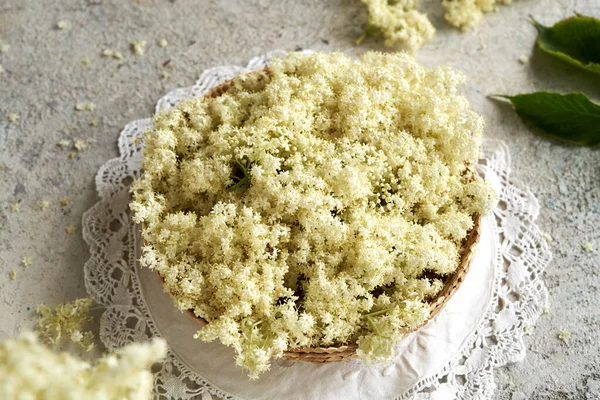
346 351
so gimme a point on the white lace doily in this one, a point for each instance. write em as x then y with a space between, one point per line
453 356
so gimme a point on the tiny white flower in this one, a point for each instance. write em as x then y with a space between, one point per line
588 247
76 336
564 335
63 25
138 47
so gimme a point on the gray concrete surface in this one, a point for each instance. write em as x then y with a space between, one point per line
44 78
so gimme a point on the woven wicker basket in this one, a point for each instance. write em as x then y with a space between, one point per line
452 282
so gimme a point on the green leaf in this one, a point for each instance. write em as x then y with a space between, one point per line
575 40
572 117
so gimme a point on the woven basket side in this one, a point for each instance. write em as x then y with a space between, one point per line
457 278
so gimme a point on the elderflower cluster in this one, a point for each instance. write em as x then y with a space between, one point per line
66 322
30 371
399 23
317 203
465 14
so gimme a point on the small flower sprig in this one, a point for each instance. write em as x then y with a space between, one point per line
66 322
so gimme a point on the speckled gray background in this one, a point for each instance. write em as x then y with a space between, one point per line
44 78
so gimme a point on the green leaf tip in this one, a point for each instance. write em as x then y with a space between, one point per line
536 24
575 40
571 118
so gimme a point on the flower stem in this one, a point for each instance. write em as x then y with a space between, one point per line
374 313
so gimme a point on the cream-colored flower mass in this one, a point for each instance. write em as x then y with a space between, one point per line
66 322
30 371
399 23
318 203
465 14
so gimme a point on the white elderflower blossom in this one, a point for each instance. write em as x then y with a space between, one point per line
27 261
13 117
66 321
15 208
465 14
316 204
80 144
564 335
399 23
29 370
64 144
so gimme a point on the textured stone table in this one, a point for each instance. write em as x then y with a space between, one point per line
44 78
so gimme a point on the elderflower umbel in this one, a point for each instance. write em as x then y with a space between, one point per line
29 370
464 14
318 203
66 321
399 23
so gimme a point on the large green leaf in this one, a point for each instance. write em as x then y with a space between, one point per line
572 117
575 40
